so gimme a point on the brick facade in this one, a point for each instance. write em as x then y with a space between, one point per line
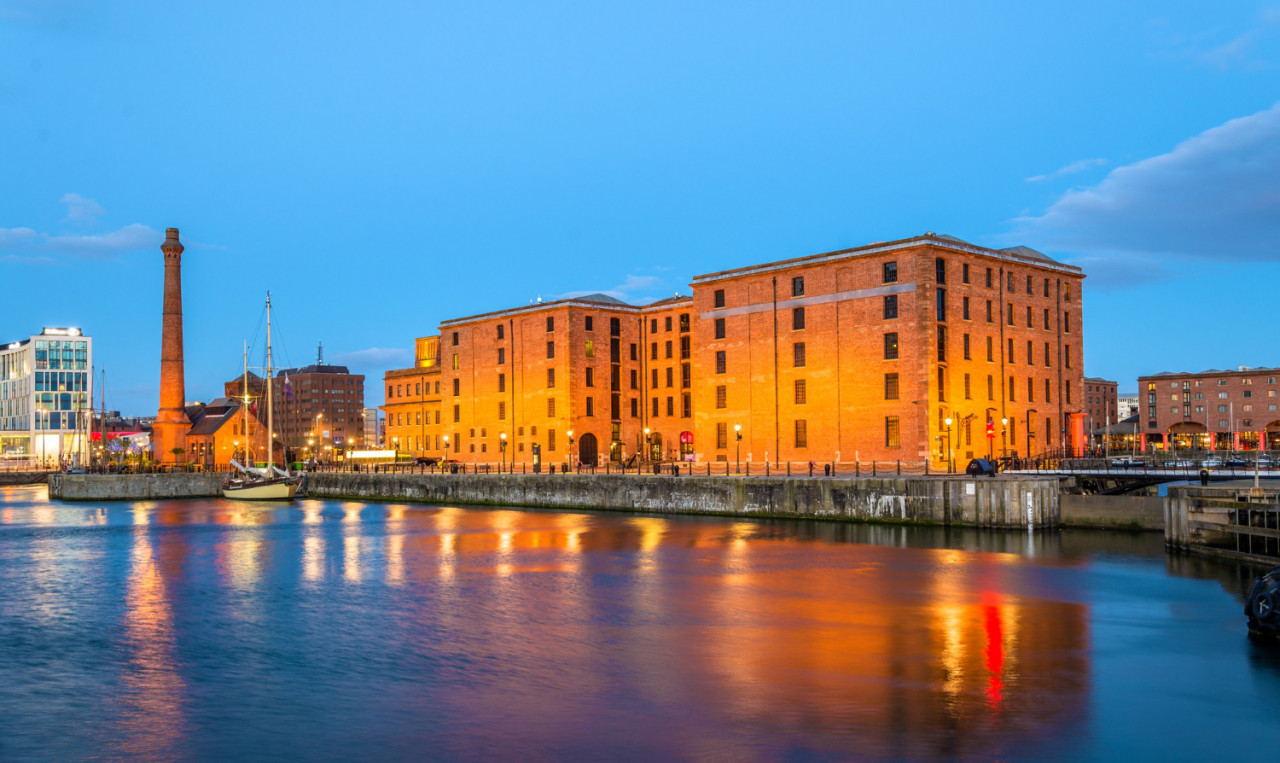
859 354
321 398
1101 401
1211 409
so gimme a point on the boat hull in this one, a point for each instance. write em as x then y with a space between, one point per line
281 490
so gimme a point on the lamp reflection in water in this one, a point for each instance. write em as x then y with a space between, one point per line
151 710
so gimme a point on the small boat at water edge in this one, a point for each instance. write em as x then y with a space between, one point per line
247 488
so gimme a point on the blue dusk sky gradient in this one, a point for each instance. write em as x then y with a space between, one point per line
383 166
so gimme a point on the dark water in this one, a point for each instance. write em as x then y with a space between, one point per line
216 630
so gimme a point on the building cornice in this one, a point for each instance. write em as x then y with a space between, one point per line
883 248
564 303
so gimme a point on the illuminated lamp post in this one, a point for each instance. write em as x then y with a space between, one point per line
502 445
737 435
1004 437
648 445
571 461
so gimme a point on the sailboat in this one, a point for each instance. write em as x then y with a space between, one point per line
250 483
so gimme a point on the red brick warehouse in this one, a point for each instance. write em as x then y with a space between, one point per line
861 354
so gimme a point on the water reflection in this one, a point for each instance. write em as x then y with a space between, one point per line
151 705
488 633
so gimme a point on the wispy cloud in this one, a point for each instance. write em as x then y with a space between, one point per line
81 209
1079 165
632 289
24 244
374 358
1241 51
1214 197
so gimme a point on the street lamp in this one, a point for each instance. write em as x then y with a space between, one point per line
571 447
502 445
737 434
950 466
648 445
1004 437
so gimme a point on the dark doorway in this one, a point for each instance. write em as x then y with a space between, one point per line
587 449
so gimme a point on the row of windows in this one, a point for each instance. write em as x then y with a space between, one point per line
940 275
444 442
800 433
588 323
1186 383
1224 408
400 390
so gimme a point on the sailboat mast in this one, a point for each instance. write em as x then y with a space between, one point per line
248 430
271 432
102 422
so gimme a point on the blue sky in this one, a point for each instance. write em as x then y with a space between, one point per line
381 167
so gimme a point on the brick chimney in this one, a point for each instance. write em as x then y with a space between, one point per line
171 422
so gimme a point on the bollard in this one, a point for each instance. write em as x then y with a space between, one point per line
873 468
788 468
857 469
926 468
766 468
899 467
810 468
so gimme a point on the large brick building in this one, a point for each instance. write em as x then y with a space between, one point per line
1211 409
884 352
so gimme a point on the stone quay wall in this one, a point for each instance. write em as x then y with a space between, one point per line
134 487
1005 503
22 478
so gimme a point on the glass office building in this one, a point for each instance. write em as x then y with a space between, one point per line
46 398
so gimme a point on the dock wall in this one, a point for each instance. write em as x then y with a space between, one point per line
980 503
1008 503
133 487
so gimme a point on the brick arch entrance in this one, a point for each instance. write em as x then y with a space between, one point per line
1189 435
1273 435
588 449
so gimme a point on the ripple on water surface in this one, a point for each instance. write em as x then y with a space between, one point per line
344 629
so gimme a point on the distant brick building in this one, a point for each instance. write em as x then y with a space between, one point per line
319 410
224 430
1101 401
858 354
1211 409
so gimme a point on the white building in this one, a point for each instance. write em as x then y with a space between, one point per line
374 428
1127 404
46 398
